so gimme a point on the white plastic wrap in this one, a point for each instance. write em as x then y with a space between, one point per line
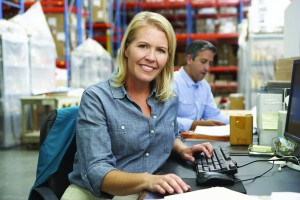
42 49
90 63
14 80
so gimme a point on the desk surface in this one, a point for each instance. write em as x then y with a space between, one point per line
286 180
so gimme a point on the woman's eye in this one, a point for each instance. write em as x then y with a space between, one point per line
143 46
161 50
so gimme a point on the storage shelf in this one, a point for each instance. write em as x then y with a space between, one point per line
222 86
51 6
100 25
101 39
206 36
186 20
177 5
218 69
61 64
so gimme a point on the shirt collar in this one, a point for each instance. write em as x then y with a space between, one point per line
188 79
120 92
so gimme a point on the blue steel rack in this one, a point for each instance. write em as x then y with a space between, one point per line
19 6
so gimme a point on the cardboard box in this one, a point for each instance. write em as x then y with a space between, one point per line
283 68
241 127
236 101
56 25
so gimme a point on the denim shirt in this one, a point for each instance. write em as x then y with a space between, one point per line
112 133
196 101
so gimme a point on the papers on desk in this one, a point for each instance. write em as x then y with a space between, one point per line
285 195
212 193
218 131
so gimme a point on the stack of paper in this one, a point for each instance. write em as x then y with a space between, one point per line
212 193
220 131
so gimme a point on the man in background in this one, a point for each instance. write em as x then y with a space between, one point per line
196 102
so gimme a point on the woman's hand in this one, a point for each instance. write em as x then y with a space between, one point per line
206 148
167 184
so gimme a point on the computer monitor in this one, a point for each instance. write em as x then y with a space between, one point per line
292 126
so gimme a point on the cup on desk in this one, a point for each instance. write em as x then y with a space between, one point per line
281 122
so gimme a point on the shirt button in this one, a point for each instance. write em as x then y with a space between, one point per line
154 116
172 123
147 154
152 131
122 127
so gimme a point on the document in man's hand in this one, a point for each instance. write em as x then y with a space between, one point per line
219 131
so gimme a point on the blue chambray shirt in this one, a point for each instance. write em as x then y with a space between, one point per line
112 133
196 101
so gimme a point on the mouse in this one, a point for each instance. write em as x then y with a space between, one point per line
214 178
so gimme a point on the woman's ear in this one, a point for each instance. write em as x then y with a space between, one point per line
125 52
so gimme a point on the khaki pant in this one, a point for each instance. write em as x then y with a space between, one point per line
74 192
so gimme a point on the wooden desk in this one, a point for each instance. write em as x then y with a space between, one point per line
48 103
191 135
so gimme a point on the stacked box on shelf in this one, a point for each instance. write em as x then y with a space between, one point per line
226 55
100 12
283 68
56 24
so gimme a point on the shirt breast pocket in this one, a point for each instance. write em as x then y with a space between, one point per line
125 138
185 105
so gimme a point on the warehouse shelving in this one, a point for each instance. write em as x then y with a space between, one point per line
66 7
8 4
62 6
185 13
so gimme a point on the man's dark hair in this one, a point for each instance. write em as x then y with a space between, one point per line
199 45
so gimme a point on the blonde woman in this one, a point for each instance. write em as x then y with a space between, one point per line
127 126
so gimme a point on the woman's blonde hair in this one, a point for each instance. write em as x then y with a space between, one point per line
164 81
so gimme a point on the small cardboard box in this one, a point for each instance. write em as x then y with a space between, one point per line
283 68
241 127
236 101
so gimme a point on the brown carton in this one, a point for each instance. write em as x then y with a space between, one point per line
241 127
236 101
283 68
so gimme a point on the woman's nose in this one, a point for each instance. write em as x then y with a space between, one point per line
150 55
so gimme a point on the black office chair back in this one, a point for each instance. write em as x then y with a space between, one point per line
55 186
59 181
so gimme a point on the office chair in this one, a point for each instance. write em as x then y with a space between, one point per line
56 154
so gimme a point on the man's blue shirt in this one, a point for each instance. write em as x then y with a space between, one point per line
196 101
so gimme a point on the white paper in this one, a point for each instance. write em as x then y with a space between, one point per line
213 130
212 193
285 195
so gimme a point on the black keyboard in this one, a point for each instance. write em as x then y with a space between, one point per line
219 162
